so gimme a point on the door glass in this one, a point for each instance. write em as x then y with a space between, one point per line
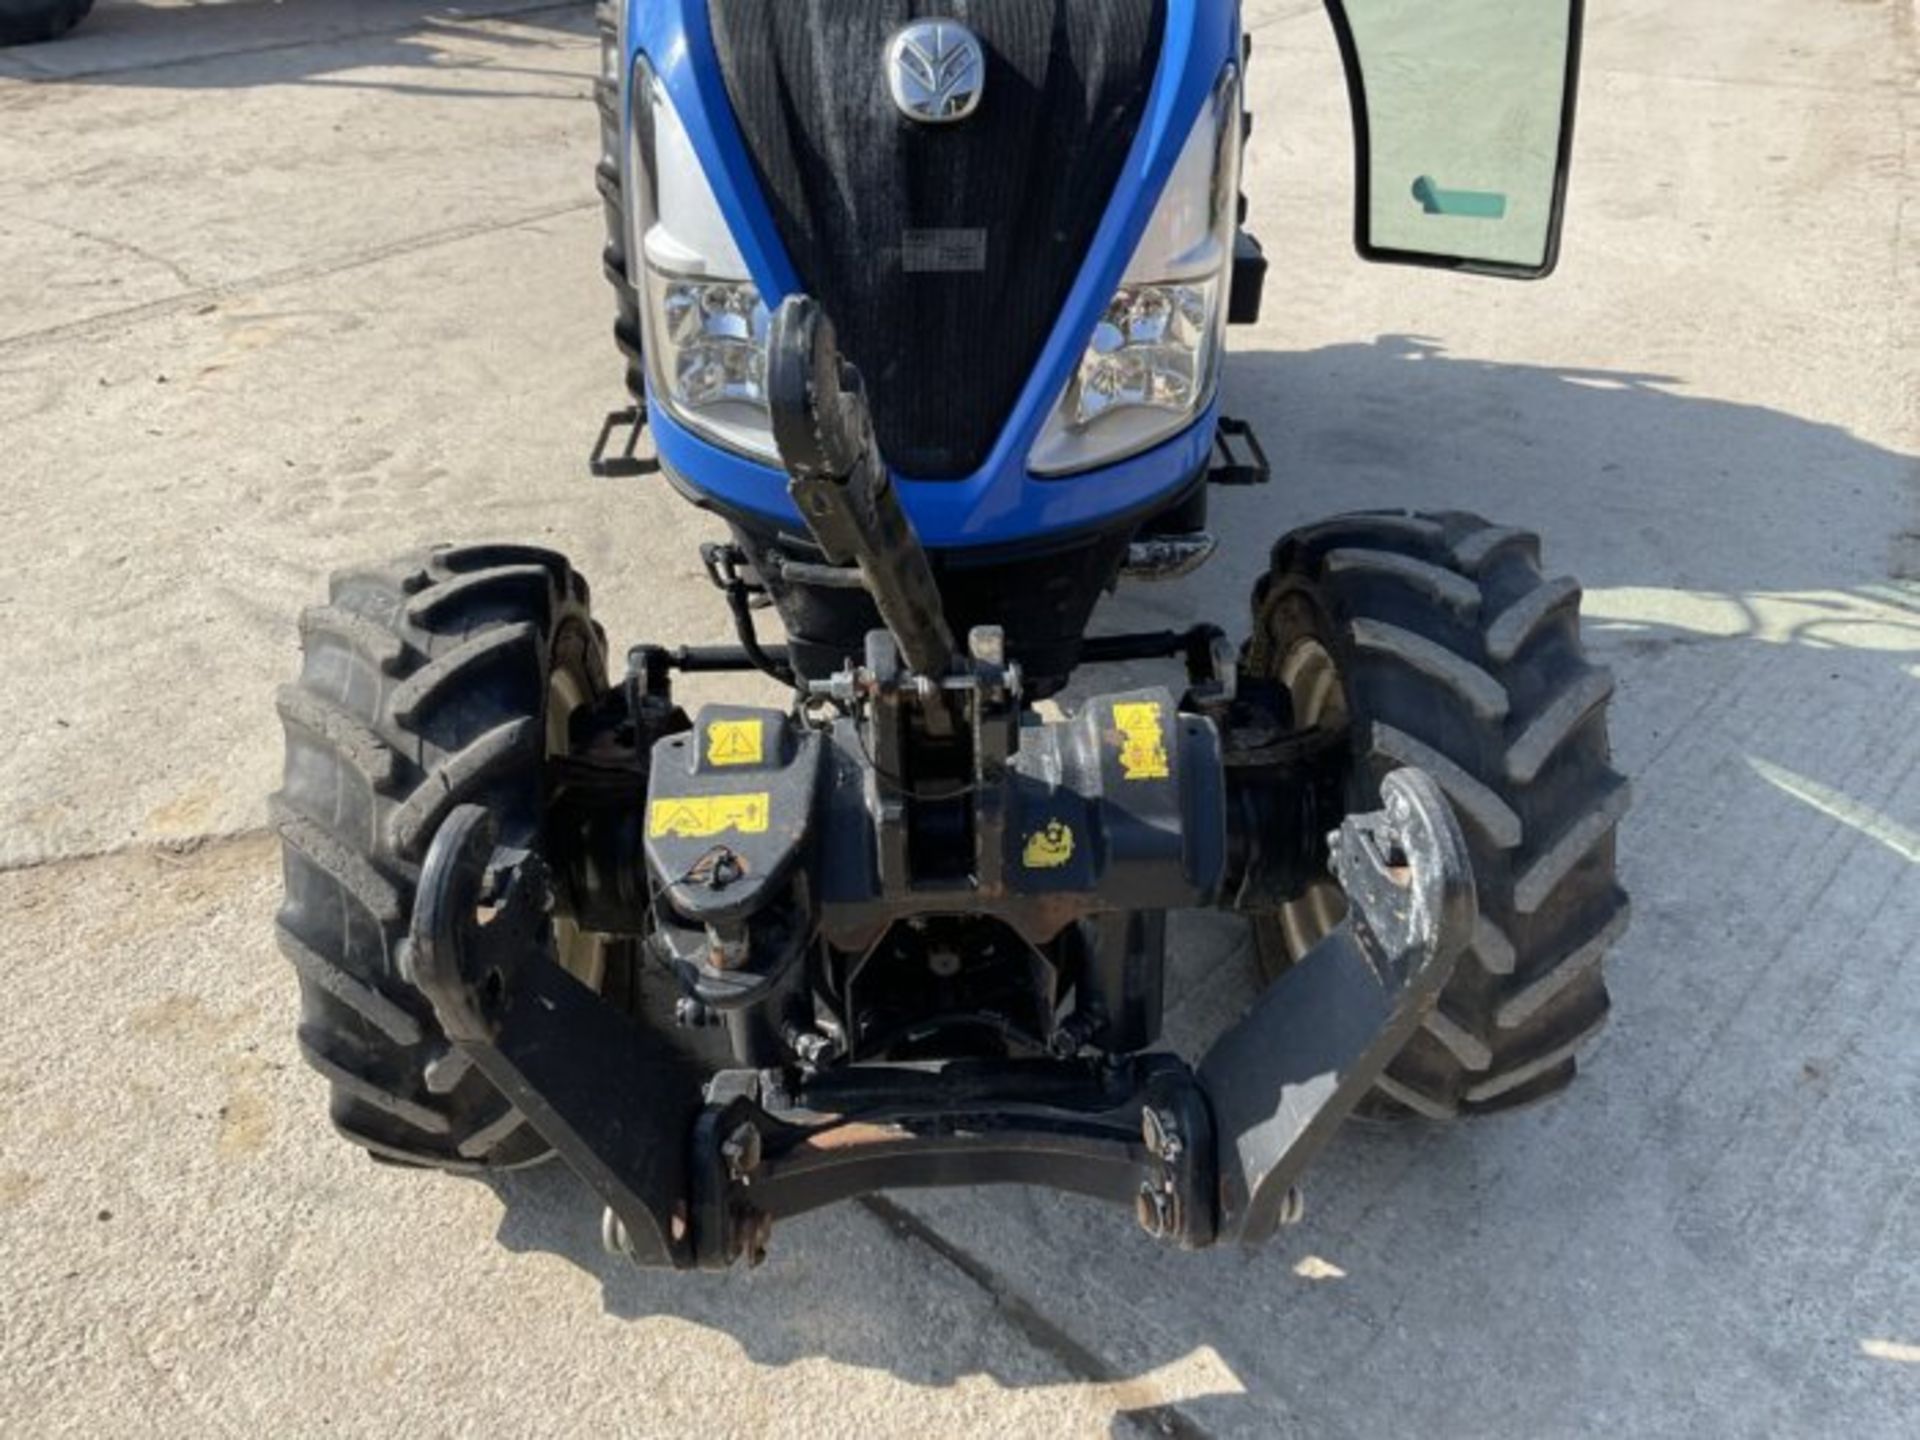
1462 113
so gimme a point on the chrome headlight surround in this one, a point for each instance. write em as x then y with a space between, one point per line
1153 363
705 323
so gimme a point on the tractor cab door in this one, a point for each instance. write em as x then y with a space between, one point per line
1463 128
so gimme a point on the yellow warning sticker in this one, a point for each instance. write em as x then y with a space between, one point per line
1143 741
701 817
736 742
1051 848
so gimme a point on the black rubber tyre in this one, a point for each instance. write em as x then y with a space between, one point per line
1436 642
426 684
28 22
607 173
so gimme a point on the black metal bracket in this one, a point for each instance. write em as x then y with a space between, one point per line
606 1092
1202 648
1249 272
1238 456
1137 1133
1284 1078
626 463
695 1176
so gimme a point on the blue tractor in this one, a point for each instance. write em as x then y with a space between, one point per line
929 300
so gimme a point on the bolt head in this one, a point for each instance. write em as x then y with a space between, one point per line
988 644
1160 1135
1157 1212
1399 809
614 1238
741 1151
1293 1209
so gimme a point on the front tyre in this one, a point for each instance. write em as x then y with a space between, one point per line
28 22
1436 642
443 679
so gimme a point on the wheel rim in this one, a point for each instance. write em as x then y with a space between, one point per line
581 953
1319 703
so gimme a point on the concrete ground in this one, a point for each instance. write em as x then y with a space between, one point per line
286 286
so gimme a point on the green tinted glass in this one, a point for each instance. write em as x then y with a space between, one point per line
1465 103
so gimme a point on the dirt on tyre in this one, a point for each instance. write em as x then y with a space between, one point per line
440 680
1438 642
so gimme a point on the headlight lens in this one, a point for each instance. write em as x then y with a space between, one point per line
1147 353
706 325
713 341
1155 356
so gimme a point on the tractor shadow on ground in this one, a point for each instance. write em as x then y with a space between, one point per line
1728 550
238 44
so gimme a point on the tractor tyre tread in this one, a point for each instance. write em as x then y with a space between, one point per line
1459 656
423 685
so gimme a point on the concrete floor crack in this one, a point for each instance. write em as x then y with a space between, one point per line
40 75
1045 1335
176 851
277 279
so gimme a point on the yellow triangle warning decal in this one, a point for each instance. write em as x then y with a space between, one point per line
736 742
704 816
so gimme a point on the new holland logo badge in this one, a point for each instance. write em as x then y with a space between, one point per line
937 70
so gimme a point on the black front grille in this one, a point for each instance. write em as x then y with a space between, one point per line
942 253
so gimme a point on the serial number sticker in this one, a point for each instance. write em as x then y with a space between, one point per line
701 817
736 742
1051 848
1143 741
943 252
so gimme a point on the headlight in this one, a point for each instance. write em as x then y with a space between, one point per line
1155 356
706 325
1148 352
712 341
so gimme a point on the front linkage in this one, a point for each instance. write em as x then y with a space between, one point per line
931 925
